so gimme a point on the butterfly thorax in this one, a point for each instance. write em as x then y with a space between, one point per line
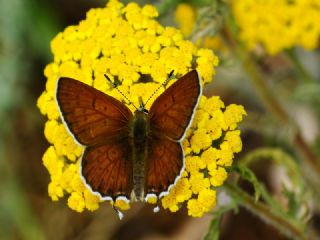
139 136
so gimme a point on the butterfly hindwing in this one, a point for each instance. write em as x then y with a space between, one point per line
107 168
172 111
91 115
164 164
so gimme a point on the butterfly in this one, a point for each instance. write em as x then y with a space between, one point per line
129 156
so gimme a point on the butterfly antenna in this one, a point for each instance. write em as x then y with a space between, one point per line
115 86
162 85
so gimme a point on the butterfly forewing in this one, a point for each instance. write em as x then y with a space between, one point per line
91 115
107 168
172 111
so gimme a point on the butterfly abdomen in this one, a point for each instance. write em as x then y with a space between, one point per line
139 129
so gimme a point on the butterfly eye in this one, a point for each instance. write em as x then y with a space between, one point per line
145 111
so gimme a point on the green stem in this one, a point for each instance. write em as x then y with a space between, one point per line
265 213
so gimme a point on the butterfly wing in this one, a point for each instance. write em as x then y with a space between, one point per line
164 165
107 169
169 118
90 115
102 124
172 112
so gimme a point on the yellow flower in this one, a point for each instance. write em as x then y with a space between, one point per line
210 156
185 16
194 164
91 201
194 208
216 124
234 140
55 191
128 44
198 182
52 162
122 204
200 140
225 155
219 175
278 25
206 201
152 200
233 115
170 202
76 202
212 104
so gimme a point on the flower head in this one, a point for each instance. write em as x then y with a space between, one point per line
278 25
128 44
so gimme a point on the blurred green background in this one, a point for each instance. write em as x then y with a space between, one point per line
26 211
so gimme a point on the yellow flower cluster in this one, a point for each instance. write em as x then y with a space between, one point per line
278 24
127 43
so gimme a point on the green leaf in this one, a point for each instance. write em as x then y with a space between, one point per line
248 175
213 232
293 203
259 188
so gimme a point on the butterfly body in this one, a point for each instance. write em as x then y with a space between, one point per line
140 147
129 156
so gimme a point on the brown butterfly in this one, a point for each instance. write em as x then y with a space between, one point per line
129 156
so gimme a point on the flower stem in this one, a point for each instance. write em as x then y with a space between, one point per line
265 213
